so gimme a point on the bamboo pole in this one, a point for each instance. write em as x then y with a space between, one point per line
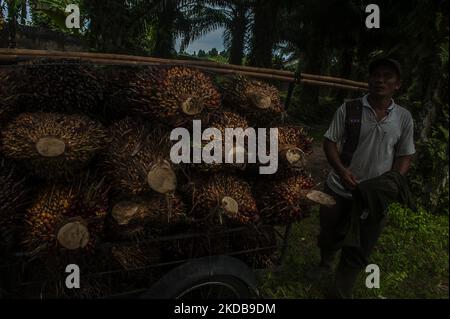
335 85
8 57
333 79
107 58
252 74
72 54
282 78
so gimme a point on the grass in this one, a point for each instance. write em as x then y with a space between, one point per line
412 254
290 281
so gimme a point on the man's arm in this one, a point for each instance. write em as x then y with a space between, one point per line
402 164
332 154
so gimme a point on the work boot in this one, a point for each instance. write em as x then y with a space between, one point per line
327 257
344 282
325 267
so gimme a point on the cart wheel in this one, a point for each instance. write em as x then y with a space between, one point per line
217 287
218 277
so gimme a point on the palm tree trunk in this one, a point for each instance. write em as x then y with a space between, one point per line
23 12
238 35
313 65
264 33
346 61
12 24
164 42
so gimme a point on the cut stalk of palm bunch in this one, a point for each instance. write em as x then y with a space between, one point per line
293 147
175 95
222 121
138 159
258 101
53 145
69 216
60 85
150 216
288 199
223 199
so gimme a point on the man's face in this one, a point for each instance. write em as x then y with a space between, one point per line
383 81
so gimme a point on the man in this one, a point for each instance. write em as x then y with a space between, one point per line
367 138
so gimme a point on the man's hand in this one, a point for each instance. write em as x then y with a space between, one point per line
347 178
402 164
331 151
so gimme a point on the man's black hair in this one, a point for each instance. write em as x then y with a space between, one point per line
391 63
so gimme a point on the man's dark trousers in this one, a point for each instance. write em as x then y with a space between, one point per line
334 224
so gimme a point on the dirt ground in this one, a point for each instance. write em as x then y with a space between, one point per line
317 164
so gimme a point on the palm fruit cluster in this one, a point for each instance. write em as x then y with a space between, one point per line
68 216
53 145
293 147
135 256
185 248
138 159
150 216
65 85
284 200
7 97
49 269
119 97
258 101
223 199
175 95
12 188
258 245
13 198
221 121
68 104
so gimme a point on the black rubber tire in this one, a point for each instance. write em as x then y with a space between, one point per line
234 287
223 270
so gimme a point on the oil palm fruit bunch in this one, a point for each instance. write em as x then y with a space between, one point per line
135 256
69 216
258 101
253 240
8 107
221 121
139 217
53 145
138 159
13 198
60 85
223 199
119 97
293 147
176 94
198 246
288 199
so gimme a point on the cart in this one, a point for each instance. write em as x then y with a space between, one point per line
223 270
230 273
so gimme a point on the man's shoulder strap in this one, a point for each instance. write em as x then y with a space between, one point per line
353 116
